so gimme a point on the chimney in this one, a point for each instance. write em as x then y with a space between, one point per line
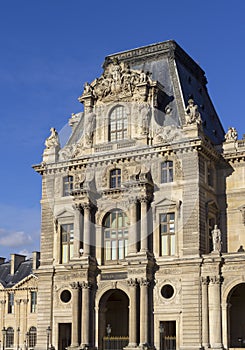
35 260
16 260
2 260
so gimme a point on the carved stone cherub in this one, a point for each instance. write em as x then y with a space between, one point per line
53 140
192 114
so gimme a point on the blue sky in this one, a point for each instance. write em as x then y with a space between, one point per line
50 48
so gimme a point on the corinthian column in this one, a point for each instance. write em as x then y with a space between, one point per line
75 314
85 314
205 333
214 312
144 225
132 249
86 235
133 313
143 311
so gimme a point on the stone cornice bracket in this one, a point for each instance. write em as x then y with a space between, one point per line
75 285
132 282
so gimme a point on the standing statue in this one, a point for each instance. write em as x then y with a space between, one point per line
231 134
145 112
216 238
89 127
53 140
192 114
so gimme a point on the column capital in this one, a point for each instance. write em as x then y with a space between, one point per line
2 302
18 301
76 206
25 301
143 282
132 282
143 199
75 285
133 200
205 280
85 285
215 279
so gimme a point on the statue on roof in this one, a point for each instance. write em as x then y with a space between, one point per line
231 134
53 140
192 114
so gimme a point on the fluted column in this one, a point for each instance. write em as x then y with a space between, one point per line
132 249
144 225
2 313
85 314
75 314
86 235
214 312
144 283
133 313
205 332
77 230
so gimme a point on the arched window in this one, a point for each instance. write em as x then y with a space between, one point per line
118 124
115 178
115 235
10 337
32 337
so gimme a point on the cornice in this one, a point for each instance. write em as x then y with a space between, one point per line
197 144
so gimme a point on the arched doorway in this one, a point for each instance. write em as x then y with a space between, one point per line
236 319
113 320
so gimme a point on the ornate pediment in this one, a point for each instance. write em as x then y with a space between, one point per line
118 82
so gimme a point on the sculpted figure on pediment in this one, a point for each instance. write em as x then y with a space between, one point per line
231 134
117 79
53 140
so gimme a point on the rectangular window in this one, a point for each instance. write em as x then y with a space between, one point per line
167 234
67 185
167 172
67 241
210 176
33 302
11 303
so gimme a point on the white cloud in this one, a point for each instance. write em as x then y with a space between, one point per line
13 239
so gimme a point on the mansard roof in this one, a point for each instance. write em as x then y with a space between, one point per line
9 280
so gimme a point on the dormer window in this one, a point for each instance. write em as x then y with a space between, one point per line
118 124
67 185
115 178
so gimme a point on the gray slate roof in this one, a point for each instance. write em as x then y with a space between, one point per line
23 270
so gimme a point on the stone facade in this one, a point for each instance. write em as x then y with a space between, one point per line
18 301
143 214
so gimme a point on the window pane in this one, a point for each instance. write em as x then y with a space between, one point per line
64 254
164 245
108 250
120 250
113 250
172 245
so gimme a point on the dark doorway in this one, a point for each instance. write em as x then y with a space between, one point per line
113 311
64 336
167 335
236 320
